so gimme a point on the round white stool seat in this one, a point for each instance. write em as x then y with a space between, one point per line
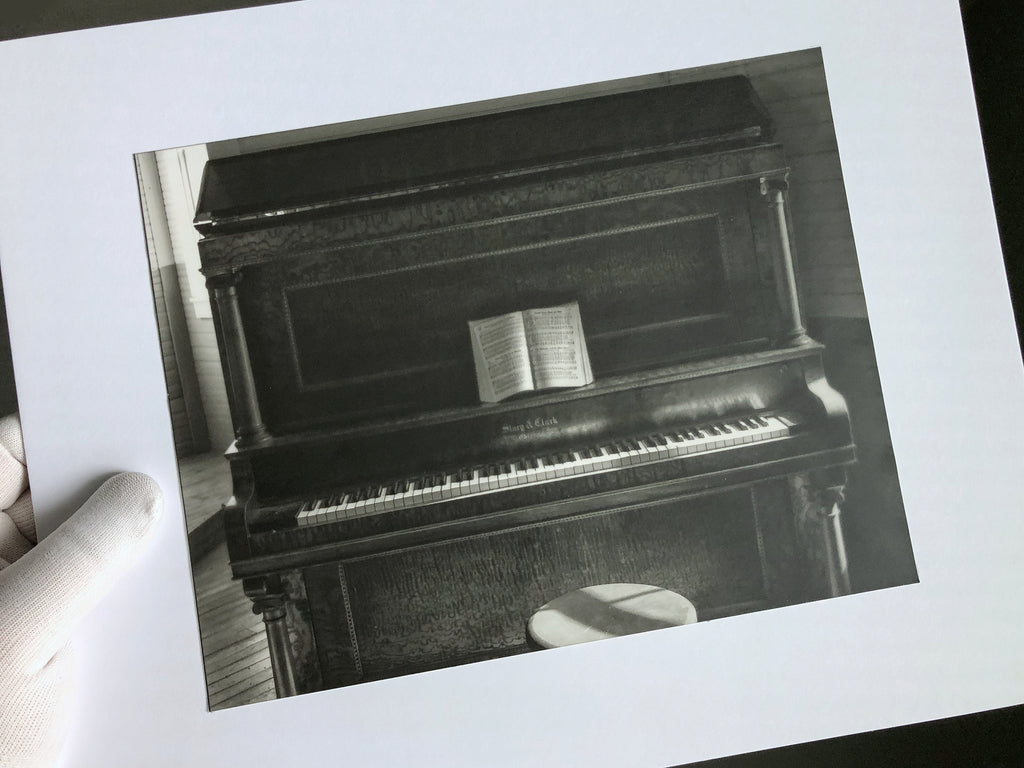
607 610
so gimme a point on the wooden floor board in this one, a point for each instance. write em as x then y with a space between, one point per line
234 640
263 692
217 676
245 684
235 657
225 619
239 649
240 678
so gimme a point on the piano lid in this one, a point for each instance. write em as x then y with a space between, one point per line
265 188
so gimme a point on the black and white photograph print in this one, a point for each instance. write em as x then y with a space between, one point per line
515 375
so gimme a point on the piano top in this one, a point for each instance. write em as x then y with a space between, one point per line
264 188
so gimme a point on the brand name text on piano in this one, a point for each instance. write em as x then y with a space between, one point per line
521 428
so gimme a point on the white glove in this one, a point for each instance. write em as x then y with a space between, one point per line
45 591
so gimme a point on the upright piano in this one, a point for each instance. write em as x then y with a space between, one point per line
384 520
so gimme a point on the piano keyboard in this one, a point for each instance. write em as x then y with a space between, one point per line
618 454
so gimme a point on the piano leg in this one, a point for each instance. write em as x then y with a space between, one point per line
269 599
817 500
835 551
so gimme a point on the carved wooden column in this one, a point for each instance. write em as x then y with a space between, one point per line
835 550
249 427
817 498
268 598
794 333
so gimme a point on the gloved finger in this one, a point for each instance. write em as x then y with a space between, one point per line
12 543
37 712
21 513
45 594
13 475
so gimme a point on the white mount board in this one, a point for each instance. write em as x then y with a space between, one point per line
91 388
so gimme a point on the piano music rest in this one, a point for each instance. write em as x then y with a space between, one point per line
607 610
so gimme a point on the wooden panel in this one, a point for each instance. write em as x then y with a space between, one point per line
357 332
383 323
469 600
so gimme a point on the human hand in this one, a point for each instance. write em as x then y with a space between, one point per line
45 591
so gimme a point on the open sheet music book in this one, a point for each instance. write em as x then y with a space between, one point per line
530 350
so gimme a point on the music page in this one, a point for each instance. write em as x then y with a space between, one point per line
501 357
558 349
